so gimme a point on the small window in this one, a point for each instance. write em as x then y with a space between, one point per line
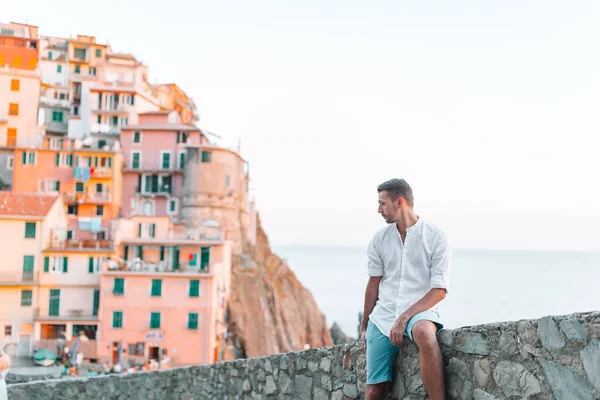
79 187
70 235
137 137
99 188
72 210
206 156
182 137
117 319
155 320
227 181
57 116
30 230
98 53
49 55
76 110
62 96
77 69
166 160
92 71
172 206
13 109
119 286
194 288
181 160
15 85
135 160
10 162
59 68
17 61
28 158
99 211
7 330
193 321
26 298
156 288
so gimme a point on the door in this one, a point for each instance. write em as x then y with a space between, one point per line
28 262
54 306
154 353
24 346
96 302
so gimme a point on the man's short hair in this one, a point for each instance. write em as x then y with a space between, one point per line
397 188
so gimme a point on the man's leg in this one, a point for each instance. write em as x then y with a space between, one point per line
381 354
432 364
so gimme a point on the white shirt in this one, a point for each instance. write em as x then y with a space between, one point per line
409 269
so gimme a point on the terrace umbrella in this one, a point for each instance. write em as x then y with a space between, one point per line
44 357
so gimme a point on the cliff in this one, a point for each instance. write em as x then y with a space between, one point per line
269 310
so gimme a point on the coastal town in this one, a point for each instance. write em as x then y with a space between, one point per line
119 216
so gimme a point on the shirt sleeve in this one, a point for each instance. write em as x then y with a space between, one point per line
440 265
375 263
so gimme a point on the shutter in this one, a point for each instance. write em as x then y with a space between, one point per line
91 265
152 230
154 183
57 159
46 264
141 252
70 160
162 253
58 186
176 258
139 185
126 253
65 264
24 158
139 230
109 162
205 258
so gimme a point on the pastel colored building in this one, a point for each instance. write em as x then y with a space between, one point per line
172 97
88 176
165 297
18 46
27 222
153 153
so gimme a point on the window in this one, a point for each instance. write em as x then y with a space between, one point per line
136 157
15 85
119 286
227 181
117 319
72 210
94 264
172 206
77 69
155 320
166 159
206 156
10 162
28 158
148 208
70 235
64 160
54 303
137 137
92 71
17 61
193 321
130 100
194 288
205 257
156 288
26 298
7 32
13 109
49 55
99 188
182 137
62 96
11 137
101 144
57 116
49 185
181 159
30 230
79 53
98 53
79 187
99 211
59 68
75 110
7 330
156 183
96 302
56 265
32 63
146 230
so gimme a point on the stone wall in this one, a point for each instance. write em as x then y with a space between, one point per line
551 358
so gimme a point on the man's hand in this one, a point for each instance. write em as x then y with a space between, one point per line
397 332
363 338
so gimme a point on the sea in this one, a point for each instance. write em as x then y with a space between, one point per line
485 285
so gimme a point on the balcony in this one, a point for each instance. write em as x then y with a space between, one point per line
105 129
58 127
168 267
101 172
118 109
18 278
51 102
88 198
81 245
70 315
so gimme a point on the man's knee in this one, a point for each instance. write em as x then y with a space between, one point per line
377 391
425 334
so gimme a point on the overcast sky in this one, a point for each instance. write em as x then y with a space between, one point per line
490 110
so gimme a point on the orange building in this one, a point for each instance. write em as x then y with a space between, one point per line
18 46
88 177
173 98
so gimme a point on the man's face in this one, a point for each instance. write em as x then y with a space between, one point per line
388 208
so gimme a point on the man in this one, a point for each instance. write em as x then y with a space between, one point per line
408 268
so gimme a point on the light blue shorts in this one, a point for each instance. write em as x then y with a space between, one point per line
381 353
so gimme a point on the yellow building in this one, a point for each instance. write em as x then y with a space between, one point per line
26 225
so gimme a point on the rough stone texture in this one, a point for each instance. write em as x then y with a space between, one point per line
530 371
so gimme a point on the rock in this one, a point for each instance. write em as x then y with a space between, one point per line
304 387
283 364
445 337
326 382
479 394
566 384
471 343
313 366
337 335
350 390
398 389
482 371
573 329
285 383
549 334
458 379
337 395
270 386
527 333
268 366
321 394
246 386
507 343
325 364
591 362
514 380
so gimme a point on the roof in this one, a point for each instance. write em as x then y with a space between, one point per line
156 113
161 127
25 204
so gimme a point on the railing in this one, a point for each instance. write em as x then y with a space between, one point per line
113 108
154 267
18 278
102 172
60 127
88 198
105 128
54 102
81 244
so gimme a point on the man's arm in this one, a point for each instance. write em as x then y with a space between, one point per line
426 302
371 296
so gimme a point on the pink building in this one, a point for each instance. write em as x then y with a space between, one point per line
154 151
164 298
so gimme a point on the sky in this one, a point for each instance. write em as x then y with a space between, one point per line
490 110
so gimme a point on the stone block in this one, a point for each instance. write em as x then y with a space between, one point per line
566 384
482 371
507 343
549 334
285 383
321 394
270 386
350 390
304 387
326 382
459 381
471 343
590 356
325 364
479 394
514 380
573 329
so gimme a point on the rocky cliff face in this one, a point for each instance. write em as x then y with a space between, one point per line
269 310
